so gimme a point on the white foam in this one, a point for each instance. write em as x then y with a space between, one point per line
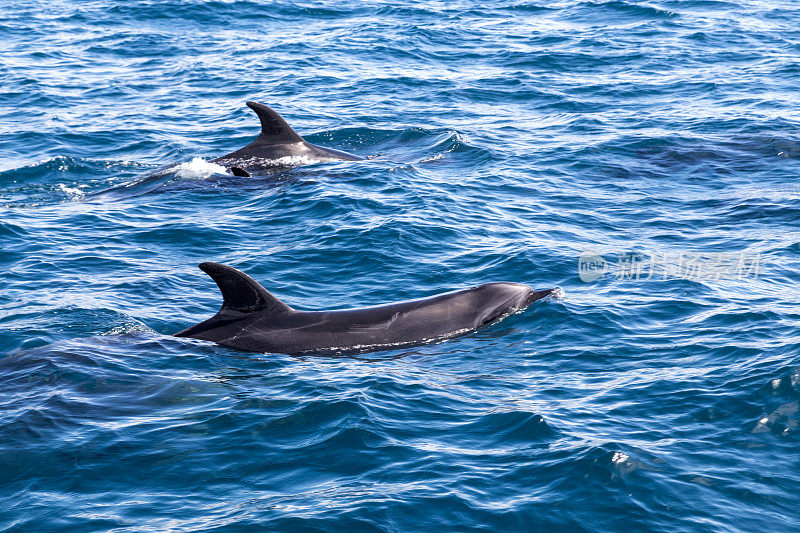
199 168
619 457
434 157
280 162
290 161
130 326
73 193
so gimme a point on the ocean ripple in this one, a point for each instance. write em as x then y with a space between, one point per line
502 141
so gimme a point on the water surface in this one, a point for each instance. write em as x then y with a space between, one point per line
503 141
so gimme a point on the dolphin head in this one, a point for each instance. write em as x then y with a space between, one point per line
506 298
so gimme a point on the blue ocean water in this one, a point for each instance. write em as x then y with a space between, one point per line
641 155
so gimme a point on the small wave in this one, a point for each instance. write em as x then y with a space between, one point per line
509 428
609 463
631 10
130 326
73 193
782 420
787 385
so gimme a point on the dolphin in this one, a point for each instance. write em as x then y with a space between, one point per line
278 145
251 319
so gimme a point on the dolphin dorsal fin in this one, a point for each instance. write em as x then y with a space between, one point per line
240 292
274 129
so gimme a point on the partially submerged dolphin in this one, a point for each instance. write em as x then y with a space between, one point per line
278 145
252 319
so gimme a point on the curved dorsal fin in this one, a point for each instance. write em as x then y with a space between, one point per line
274 129
240 292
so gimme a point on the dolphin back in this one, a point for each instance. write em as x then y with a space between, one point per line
276 143
252 319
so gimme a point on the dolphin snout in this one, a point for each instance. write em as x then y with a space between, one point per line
509 298
520 295
532 295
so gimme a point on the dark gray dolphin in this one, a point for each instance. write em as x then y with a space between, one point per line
277 146
252 319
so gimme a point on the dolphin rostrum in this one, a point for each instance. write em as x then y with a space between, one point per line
254 320
277 146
